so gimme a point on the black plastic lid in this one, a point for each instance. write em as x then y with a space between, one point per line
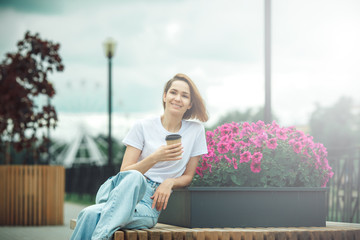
172 137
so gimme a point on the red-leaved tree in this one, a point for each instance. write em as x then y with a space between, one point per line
23 77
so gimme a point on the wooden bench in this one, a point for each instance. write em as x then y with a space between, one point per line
332 231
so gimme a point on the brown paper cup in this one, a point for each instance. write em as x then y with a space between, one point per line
173 139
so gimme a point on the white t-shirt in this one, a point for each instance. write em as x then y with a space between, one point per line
149 134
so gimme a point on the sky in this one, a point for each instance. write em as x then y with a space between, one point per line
219 44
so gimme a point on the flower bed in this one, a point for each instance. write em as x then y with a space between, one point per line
262 155
255 175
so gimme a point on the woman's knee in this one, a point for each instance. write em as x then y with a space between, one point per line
91 211
141 223
134 175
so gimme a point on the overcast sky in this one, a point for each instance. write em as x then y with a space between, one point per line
219 44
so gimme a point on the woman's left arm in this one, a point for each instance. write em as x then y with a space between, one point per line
162 193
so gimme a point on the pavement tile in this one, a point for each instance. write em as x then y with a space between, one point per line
62 232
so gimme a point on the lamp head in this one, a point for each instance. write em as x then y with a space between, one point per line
109 47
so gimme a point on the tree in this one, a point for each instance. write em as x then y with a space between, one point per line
336 126
23 77
249 115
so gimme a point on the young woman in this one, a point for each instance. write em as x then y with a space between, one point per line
134 198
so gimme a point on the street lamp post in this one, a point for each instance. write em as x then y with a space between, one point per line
109 48
267 108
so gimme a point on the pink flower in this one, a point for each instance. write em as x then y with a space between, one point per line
211 142
272 143
205 166
306 153
257 157
209 134
260 139
234 128
317 158
223 147
255 166
274 125
327 177
257 142
258 126
297 147
245 157
235 163
232 144
237 150
281 134
199 172
300 133
227 159
225 138
225 130
246 129
244 144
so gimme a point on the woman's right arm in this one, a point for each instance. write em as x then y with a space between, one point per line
163 153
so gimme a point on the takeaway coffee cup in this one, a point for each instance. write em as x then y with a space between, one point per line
173 139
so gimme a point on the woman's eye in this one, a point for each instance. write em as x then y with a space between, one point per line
185 96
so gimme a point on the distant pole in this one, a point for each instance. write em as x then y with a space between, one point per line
110 111
267 108
109 47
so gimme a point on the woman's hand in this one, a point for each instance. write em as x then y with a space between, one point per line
168 153
164 153
162 194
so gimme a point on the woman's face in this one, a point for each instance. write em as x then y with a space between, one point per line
178 98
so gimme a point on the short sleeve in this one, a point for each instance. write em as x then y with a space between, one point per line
135 137
200 146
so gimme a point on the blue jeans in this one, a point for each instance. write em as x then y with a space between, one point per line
122 202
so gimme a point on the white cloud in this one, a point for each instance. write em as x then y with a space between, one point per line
172 31
217 43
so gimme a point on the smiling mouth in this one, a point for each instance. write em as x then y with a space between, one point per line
176 105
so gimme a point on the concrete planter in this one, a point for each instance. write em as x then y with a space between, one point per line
246 207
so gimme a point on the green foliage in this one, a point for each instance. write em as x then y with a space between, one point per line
84 199
249 115
336 126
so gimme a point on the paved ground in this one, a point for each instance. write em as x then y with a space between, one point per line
47 232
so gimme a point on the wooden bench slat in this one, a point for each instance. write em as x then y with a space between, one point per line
142 235
130 234
153 233
119 235
170 232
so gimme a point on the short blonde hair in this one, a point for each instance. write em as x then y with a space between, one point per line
198 109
